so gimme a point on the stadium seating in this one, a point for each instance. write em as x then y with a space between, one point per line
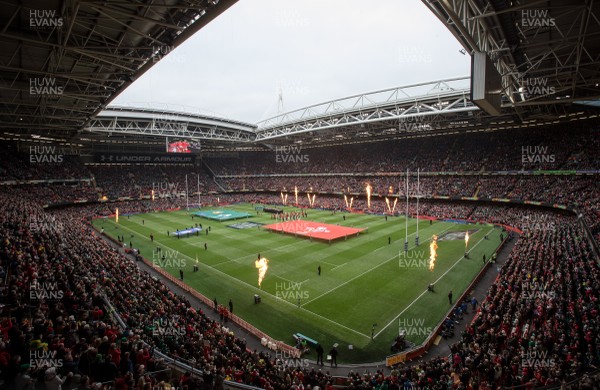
58 250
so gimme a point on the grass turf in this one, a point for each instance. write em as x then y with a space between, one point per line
364 280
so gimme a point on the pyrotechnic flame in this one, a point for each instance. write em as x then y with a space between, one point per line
284 198
387 201
346 200
395 201
313 200
351 200
432 252
152 194
117 215
467 240
368 189
262 266
296 194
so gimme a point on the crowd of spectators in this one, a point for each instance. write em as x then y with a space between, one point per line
479 154
539 322
539 149
57 193
41 163
135 181
537 326
56 325
60 252
566 190
380 185
579 192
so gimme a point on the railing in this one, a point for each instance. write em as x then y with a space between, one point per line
266 340
179 364
566 385
589 235
422 173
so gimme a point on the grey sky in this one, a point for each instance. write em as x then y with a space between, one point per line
313 50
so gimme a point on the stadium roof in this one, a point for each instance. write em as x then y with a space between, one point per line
418 110
545 50
63 61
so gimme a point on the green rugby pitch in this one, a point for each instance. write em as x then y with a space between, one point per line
364 280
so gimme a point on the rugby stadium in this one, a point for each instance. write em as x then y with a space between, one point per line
440 234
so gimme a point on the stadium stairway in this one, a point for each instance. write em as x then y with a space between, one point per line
212 175
223 189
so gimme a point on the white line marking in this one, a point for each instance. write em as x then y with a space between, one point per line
381 247
341 265
261 290
281 277
424 292
367 271
236 260
328 263
412 234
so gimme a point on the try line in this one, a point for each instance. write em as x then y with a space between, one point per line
424 292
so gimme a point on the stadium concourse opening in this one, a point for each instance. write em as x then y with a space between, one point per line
318 230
